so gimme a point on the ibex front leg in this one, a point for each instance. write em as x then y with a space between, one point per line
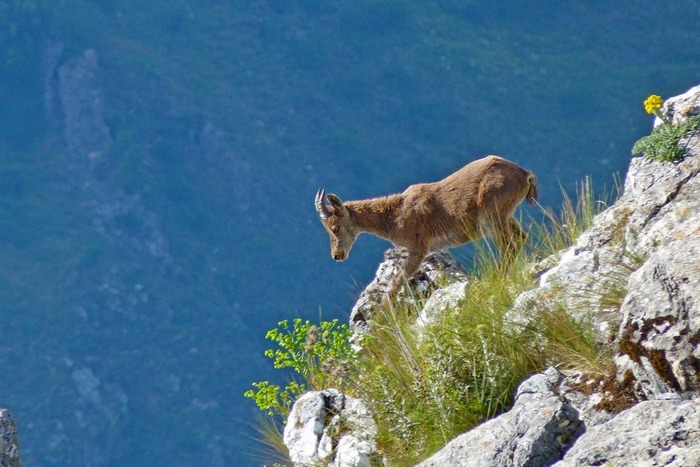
408 268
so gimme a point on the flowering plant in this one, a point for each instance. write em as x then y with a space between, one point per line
653 106
653 103
662 143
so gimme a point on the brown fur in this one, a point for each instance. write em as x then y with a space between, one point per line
479 199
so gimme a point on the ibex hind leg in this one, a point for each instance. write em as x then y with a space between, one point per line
508 237
511 241
518 235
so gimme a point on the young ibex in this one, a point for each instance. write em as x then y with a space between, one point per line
479 199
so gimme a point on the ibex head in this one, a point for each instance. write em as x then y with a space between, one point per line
338 222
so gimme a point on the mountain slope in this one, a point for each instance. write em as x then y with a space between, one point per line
158 163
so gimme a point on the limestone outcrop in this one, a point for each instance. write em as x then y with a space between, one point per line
635 275
436 270
329 428
9 441
536 431
659 432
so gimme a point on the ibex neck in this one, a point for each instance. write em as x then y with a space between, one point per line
376 216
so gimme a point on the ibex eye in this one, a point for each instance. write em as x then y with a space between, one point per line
335 229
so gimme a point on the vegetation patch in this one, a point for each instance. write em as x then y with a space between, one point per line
321 355
663 368
622 394
662 145
425 386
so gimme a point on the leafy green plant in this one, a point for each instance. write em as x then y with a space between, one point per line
273 399
321 354
662 144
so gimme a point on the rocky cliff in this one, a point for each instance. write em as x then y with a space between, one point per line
644 248
9 442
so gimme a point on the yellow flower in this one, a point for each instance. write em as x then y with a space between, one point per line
653 103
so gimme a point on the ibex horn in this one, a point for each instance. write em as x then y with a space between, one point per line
321 205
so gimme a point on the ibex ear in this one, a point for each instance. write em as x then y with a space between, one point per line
336 204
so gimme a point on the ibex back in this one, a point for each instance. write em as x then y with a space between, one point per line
479 199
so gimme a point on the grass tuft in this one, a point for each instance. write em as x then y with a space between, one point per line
269 446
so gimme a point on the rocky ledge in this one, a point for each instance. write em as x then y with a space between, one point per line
646 249
9 442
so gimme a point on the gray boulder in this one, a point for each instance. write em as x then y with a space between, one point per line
9 441
659 331
328 428
588 394
437 270
652 190
656 208
660 328
661 432
535 432
679 108
441 300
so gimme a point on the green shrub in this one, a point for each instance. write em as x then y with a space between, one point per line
662 144
321 354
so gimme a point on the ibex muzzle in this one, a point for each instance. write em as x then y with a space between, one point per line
337 220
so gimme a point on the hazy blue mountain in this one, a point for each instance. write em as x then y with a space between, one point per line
158 163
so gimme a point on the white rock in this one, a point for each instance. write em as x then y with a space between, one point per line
329 428
442 300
